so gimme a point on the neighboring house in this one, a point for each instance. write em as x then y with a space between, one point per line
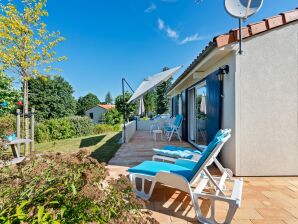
97 113
257 98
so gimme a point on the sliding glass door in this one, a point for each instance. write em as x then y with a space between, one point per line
197 114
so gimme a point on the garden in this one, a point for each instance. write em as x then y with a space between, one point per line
64 180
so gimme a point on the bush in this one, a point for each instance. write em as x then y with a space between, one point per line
60 128
63 128
66 189
104 128
42 133
113 117
82 126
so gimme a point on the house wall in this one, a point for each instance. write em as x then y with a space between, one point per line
97 111
267 104
228 154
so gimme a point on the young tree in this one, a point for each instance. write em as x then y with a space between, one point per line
122 105
162 101
8 95
51 97
150 102
108 98
113 117
26 45
86 102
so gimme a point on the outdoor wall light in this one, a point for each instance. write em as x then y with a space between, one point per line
222 71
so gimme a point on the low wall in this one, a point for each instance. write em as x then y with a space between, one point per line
145 125
130 130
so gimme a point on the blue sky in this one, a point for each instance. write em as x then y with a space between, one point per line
109 39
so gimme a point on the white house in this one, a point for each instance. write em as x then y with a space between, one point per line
255 94
97 113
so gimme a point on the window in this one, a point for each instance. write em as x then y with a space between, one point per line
91 115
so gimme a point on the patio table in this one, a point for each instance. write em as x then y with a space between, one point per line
15 145
157 132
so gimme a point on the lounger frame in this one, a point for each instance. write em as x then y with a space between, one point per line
200 180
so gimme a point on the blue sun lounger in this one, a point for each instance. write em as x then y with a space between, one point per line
186 175
171 153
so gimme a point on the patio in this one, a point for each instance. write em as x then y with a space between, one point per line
265 199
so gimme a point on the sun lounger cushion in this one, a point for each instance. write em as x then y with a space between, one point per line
173 154
153 167
175 148
190 164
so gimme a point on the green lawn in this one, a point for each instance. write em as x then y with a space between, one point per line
103 146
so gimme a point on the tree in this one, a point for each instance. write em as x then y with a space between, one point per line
122 105
108 98
51 97
162 101
86 102
150 102
27 47
113 117
8 95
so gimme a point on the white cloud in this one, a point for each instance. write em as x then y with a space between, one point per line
191 38
169 31
151 8
161 24
173 34
196 37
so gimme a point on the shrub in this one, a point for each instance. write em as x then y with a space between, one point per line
42 133
54 129
82 126
66 189
103 128
60 128
63 128
113 117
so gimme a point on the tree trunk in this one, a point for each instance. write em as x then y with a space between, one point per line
26 102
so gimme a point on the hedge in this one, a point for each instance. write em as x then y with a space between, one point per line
63 128
103 128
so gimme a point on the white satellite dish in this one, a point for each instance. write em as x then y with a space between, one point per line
242 8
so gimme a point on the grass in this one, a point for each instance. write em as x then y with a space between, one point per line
102 146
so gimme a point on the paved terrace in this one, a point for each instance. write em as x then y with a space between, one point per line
265 200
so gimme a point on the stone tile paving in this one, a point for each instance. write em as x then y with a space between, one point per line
265 199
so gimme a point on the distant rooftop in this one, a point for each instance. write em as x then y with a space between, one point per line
106 106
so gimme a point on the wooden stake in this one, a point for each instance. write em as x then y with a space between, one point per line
32 130
18 126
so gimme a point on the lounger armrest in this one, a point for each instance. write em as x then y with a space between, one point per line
186 163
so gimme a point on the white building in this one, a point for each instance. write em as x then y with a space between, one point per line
254 94
97 113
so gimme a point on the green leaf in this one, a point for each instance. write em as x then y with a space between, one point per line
73 188
40 213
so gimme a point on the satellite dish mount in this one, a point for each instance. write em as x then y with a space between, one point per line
242 9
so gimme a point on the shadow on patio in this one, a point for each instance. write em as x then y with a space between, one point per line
265 199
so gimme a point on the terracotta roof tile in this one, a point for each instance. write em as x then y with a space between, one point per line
256 28
248 31
106 106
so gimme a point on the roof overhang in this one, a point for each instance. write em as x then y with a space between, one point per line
203 64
